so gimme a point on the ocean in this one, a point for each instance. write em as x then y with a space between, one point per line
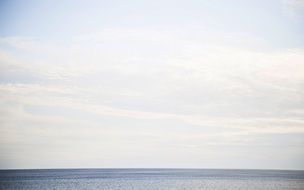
150 179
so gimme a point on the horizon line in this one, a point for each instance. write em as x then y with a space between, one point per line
148 168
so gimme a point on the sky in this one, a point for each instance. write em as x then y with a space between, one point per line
145 84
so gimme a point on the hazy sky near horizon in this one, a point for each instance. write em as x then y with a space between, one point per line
207 84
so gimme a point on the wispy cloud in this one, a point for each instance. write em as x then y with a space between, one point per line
148 88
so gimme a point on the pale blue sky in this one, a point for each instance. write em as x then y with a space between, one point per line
203 84
270 20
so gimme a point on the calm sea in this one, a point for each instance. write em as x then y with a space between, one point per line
151 179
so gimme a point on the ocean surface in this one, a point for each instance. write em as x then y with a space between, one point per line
151 179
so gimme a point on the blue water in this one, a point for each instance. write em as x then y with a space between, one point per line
151 179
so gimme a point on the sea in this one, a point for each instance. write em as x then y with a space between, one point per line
151 179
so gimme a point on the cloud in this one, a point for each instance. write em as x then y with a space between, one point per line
27 44
202 79
74 99
142 88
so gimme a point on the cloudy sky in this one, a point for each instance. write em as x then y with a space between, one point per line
164 83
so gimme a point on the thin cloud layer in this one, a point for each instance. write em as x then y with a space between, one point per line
161 96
